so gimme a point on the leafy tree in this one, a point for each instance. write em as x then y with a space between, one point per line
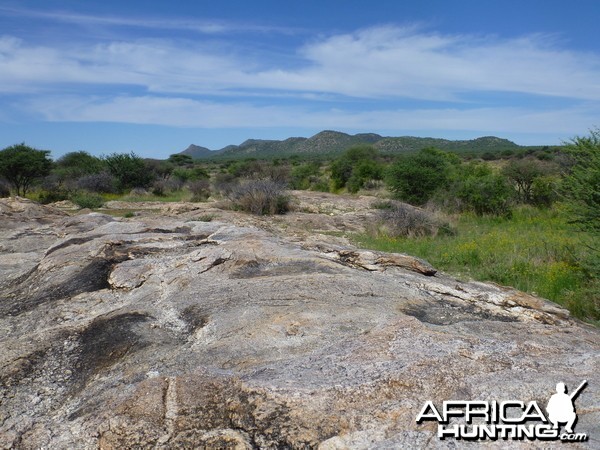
356 166
523 173
21 165
181 159
129 170
192 174
248 168
582 183
77 164
415 178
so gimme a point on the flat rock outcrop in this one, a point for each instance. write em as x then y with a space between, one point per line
162 332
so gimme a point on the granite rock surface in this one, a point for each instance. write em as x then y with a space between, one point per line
168 332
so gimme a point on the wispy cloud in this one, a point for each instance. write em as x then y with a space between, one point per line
199 26
402 62
384 62
185 83
185 112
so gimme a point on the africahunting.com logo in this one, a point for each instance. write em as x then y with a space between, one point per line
507 420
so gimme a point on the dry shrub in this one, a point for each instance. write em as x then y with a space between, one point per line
99 183
200 190
4 189
398 219
260 197
224 183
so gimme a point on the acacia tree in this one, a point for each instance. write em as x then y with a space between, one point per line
523 174
130 170
21 165
75 165
582 184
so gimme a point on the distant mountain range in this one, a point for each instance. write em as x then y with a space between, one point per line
331 142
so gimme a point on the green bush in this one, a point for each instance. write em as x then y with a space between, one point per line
544 191
415 178
129 170
582 184
487 194
190 174
355 167
88 200
74 165
52 195
303 176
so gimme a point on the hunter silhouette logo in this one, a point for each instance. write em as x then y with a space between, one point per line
560 406
512 419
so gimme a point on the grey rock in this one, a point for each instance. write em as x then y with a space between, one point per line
156 332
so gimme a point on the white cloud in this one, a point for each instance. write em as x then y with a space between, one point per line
155 65
195 25
194 83
398 62
383 62
184 112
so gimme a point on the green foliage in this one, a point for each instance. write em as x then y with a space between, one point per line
303 176
415 178
179 159
489 156
355 167
544 190
534 251
582 184
190 174
21 165
476 187
523 173
75 165
88 200
249 168
129 170
46 196
364 171
485 194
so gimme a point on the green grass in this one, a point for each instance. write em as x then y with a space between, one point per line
175 196
535 251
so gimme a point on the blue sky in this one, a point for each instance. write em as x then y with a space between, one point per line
155 76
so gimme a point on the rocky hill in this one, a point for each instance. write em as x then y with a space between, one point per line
332 142
166 331
197 152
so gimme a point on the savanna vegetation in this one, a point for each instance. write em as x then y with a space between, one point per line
527 218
